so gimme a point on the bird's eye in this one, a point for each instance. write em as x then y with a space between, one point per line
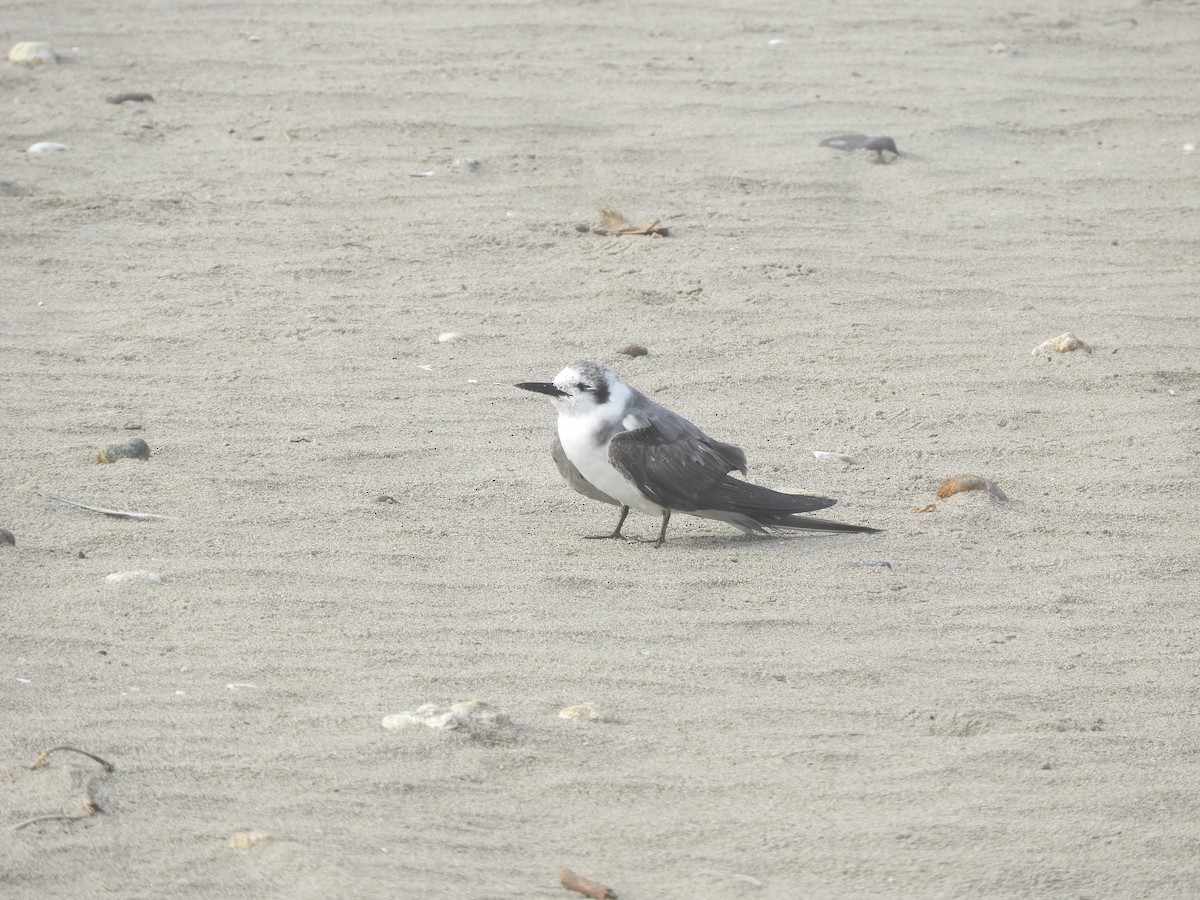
583 388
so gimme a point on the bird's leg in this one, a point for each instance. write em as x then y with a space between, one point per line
616 531
662 533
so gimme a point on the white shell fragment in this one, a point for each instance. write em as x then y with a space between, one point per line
32 53
447 336
147 577
830 456
1064 343
47 147
586 712
472 715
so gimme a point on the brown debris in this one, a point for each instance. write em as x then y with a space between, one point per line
244 840
90 806
44 757
960 483
575 882
633 350
613 221
1064 343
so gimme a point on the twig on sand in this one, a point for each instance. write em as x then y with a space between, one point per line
90 806
575 882
44 757
55 817
118 513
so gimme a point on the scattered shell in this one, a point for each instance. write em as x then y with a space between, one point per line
586 712
7 538
244 840
241 686
960 483
136 448
472 715
633 350
928 507
32 53
829 456
447 336
47 147
1064 343
148 577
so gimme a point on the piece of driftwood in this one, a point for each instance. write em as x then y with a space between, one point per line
573 881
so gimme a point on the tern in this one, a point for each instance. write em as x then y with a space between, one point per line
617 446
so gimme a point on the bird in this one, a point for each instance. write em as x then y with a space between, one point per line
617 446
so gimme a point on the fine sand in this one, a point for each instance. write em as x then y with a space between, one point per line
991 698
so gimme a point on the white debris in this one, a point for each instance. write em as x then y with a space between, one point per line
147 577
32 53
1064 343
830 456
47 147
472 715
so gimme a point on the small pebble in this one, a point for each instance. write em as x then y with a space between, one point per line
633 350
586 712
244 840
147 577
6 538
129 97
136 448
32 53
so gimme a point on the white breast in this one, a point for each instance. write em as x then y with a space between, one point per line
578 437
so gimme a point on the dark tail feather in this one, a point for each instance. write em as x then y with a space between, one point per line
798 523
740 496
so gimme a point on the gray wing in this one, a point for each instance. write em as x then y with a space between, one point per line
578 483
688 473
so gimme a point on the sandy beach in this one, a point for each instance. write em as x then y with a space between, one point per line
308 274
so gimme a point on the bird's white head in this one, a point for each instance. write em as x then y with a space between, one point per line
584 389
